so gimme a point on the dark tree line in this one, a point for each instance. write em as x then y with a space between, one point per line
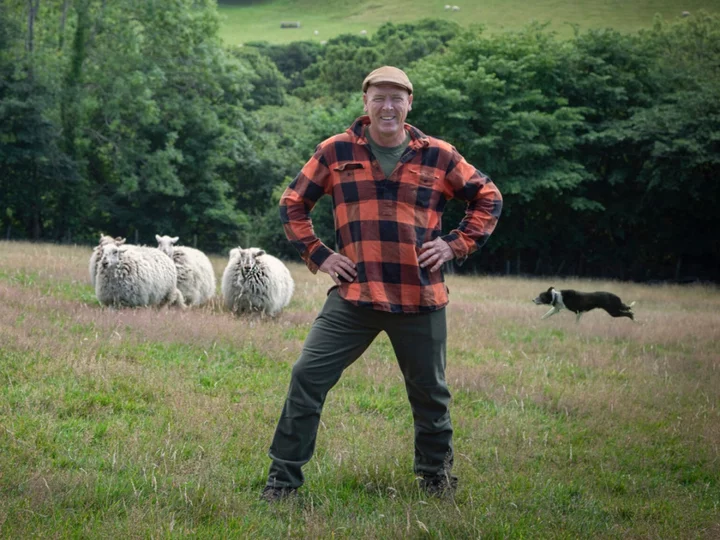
132 118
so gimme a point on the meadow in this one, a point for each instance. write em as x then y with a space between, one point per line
156 422
259 20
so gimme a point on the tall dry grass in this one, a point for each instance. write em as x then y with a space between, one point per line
150 422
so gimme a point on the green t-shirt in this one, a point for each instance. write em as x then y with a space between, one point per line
387 156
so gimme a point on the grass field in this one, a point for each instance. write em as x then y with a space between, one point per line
248 20
155 423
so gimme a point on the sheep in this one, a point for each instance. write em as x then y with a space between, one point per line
195 273
256 281
455 8
447 7
97 253
363 32
136 276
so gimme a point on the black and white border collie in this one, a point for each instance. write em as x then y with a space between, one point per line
580 302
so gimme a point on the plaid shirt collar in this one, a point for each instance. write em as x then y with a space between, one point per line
418 139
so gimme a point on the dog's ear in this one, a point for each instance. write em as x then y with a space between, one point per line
550 290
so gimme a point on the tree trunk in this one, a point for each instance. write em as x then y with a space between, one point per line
63 19
33 7
36 229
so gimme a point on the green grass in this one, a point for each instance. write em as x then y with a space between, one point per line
156 423
246 21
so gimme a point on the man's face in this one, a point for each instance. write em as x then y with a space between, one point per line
387 106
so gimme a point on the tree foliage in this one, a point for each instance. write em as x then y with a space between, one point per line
132 118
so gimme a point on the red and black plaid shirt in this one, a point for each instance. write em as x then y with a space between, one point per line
380 223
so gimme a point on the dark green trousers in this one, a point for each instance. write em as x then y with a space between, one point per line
339 335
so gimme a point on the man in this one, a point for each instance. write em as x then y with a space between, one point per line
389 184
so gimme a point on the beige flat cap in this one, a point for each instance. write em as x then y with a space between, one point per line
388 75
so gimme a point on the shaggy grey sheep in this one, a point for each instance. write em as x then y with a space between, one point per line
97 253
195 274
136 276
256 281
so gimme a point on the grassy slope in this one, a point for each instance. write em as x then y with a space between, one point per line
150 423
248 21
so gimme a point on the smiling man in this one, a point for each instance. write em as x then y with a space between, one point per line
389 184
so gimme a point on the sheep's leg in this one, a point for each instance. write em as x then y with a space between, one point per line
179 300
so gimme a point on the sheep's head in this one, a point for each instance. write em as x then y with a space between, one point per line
105 240
110 256
166 244
245 258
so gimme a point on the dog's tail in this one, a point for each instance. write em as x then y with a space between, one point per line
631 304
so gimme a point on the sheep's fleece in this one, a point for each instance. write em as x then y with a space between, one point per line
136 276
256 281
195 273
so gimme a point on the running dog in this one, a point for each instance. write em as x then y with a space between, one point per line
580 302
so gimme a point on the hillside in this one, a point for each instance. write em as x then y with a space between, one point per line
248 20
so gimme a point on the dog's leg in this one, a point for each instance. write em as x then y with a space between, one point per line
577 316
553 311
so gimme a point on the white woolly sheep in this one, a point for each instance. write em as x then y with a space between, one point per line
133 276
97 253
256 281
195 273
447 7
455 8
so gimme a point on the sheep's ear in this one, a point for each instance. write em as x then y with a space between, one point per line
174 239
157 238
119 240
259 253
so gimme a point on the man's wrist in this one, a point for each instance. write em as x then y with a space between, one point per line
320 255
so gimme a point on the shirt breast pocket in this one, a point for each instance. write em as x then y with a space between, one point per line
352 182
424 187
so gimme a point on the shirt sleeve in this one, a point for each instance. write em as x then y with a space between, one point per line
297 201
483 209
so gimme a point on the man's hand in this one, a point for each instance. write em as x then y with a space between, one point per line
435 253
339 266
